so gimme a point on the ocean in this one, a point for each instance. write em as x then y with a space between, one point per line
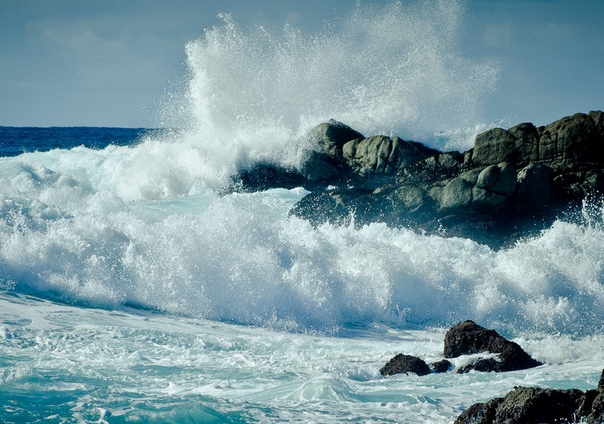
135 287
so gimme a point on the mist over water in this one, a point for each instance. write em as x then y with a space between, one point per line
145 225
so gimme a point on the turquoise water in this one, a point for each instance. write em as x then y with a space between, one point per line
133 289
62 363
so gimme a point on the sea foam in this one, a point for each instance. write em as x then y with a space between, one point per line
148 226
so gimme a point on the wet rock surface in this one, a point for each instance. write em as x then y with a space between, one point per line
405 364
469 338
490 353
512 183
528 405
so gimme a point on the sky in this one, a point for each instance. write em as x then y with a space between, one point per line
112 62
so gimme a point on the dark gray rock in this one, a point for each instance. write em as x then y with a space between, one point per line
480 413
330 137
526 405
468 338
498 145
383 155
317 166
441 366
405 364
513 183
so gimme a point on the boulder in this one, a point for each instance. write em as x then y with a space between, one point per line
572 140
317 166
498 179
405 364
383 155
527 405
441 366
498 145
329 137
469 338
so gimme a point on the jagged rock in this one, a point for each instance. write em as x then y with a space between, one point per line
594 410
511 184
498 145
527 405
468 338
405 364
480 413
383 155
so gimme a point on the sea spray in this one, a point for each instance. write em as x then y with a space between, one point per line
394 70
147 226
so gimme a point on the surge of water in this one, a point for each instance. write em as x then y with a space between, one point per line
394 70
145 226
73 233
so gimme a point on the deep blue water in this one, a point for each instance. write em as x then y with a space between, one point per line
17 140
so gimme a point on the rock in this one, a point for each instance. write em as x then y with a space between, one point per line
498 145
498 179
526 405
331 136
469 338
480 413
594 411
513 183
572 140
405 364
383 155
441 366
263 177
318 166
534 187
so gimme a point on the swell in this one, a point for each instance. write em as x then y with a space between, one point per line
145 225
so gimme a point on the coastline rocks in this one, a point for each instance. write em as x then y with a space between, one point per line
511 184
405 364
469 338
527 405
331 136
441 366
465 339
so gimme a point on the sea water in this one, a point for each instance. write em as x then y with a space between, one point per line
135 288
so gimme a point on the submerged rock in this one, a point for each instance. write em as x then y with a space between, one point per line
527 405
469 338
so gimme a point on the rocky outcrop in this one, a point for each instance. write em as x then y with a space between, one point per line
465 339
470 338
527 405
512 183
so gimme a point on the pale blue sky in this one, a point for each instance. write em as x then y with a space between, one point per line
109 62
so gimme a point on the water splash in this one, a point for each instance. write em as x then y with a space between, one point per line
394 70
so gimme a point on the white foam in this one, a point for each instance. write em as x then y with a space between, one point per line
145 226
